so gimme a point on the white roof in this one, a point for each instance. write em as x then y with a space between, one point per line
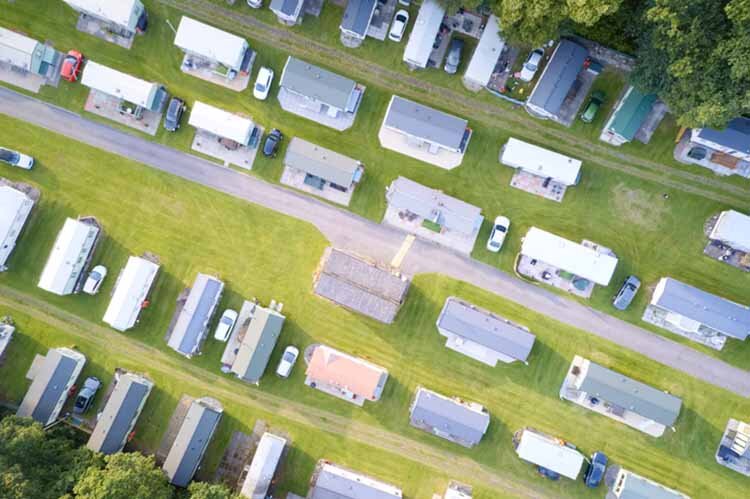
16 49
221 123
485 56
541 162
68 257
550 453
733 229
131 289
209 42
15 207
118 84
122 12
428 22
263 467
569 256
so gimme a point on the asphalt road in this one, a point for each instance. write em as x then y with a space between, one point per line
352 232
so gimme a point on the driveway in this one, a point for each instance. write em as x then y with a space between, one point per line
352 232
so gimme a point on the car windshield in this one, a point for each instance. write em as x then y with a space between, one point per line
289 357
500 228
9 156
70 59
80 401
401 18
260 87
227 320
531 66
94 275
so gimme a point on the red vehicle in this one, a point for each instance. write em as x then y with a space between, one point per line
71 66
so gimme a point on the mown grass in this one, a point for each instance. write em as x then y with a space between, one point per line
262 254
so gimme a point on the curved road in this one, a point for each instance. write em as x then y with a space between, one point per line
349 231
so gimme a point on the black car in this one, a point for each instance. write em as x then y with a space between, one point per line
627 292
595 472
272 143
174 114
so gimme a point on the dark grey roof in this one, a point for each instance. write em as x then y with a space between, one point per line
483 327
191 442
727 317
425 122
321 162
190 328
52 376
257 344
735 136
630 394
357 16
120 414
287 7
449 416
317 83
333 482
558 76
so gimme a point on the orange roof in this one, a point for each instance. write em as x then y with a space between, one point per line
335 368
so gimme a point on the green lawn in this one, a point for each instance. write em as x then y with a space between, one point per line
262 254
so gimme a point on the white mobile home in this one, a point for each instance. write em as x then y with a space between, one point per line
541 162
206 42
26 54
15 207
423 33
70 255
131 290
732 229
549 452
127 88
221 123
125 16
263 467
485 56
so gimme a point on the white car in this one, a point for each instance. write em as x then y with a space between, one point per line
15 158
94 280
288 359
497 236
400 20
255 4
263 83
531 65
225 325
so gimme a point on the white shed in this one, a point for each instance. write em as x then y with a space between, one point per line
566 255
423 33
69 256
550 453
15 207
202 40
121 85
222 123
541 162
131 290
486 55
733 229
123 13
263 467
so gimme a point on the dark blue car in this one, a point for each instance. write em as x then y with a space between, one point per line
595 472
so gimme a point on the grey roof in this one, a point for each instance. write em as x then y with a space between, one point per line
630 394
727 317
736 135
483 327
449 416
637 487
52 375
357 16
120 414
287 7
449 212
262 469
317 83
190 328
321 162
333 482
558 76
192 440
361 286
425 123
257 344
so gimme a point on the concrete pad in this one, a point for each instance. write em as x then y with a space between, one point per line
99 29
533 184
107 106
658 318
400 143
547 274
296 178
413 225
300 106
208 144
22 79
206 71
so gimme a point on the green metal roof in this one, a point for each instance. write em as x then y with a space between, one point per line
633 110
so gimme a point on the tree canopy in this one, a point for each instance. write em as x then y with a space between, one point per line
124 476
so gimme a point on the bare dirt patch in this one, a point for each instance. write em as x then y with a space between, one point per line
638 206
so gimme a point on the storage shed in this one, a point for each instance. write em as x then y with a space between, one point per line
15 208
262 469
205 41
541 162
66 265
131 289
221 123
191 325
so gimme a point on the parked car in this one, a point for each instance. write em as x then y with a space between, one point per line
589 112
15 158
71 66
263 83
272 143
547 473
405 3
255 4
173 117
288 359
94 280
86 395
226 325
594 474
624 297
531 65
400 21
497 236
454 56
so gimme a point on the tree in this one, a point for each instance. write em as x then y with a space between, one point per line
693 55
125 476
203 490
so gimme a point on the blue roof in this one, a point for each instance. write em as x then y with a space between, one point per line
49 386
735 136
357 16
190 328
558 77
